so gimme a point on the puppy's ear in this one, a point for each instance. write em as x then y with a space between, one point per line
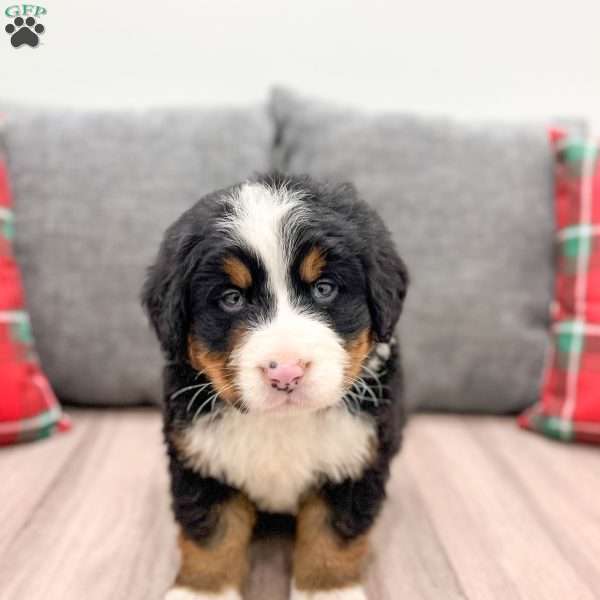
165 294
387 281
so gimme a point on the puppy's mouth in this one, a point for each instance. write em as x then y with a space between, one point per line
283 399
290 402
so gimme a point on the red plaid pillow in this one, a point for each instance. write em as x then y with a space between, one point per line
570 405
28 408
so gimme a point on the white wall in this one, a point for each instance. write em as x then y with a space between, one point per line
458 57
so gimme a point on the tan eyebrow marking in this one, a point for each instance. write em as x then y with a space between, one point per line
312 265
238 272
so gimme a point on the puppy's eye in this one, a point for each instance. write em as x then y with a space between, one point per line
232 301
324 290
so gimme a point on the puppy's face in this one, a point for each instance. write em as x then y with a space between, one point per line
283 292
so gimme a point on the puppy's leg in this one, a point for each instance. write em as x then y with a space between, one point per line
328 565
214 567
216 524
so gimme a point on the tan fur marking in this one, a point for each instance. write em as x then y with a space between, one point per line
322 560
223 561
214 365
238 272
358 349
312 265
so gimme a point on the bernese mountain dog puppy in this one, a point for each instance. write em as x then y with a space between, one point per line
275 303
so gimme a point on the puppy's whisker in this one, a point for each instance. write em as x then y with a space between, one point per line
356 404
375 378
354 400
191 402
212 400
242 406
224 389
372 373
205 403
189 387
351 405
216 396
353 390
358 392
367 389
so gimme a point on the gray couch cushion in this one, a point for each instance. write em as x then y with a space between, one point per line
93 195
471 209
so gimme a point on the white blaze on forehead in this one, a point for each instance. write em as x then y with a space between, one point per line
260 216
264 220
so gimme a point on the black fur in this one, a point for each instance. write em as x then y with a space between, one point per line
180 297
355 504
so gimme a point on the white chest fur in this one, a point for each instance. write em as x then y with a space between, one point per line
276 459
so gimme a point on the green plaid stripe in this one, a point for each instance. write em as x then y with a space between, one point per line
20 325
578 244
38 427
578 151
570 336
19 330
7 223
553 427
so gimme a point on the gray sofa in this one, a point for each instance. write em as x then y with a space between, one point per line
470 206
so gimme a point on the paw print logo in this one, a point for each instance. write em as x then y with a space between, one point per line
24 32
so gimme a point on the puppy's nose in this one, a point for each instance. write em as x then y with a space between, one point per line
284 376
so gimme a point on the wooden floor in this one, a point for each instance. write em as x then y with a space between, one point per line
477 509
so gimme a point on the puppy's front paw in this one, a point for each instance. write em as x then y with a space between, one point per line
184 593
356 592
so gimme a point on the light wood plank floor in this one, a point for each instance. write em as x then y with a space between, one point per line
477 510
